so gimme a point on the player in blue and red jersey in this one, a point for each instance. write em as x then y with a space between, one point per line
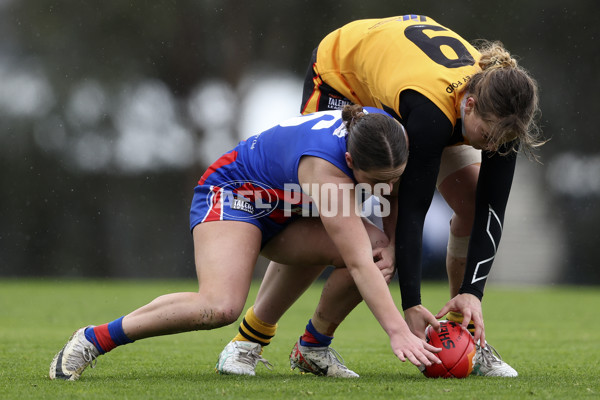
244 205
467 111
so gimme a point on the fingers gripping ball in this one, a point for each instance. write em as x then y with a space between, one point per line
458 349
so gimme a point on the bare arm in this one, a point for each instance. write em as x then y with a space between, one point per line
350 237
385 257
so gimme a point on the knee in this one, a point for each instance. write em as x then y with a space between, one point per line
464 212
461 224
378 238
463 206
459 190
226 313
215 313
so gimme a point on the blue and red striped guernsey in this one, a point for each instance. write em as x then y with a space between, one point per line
215 212
226 159
263 169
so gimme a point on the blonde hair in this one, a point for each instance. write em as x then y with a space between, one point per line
506 95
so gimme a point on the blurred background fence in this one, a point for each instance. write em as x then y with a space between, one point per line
111 110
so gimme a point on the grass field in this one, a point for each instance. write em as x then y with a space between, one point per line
550 335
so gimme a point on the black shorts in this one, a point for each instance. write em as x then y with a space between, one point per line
317 95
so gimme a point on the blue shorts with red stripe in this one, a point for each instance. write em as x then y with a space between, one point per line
224 193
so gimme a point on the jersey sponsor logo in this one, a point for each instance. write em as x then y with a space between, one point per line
242 205
337 103
455 85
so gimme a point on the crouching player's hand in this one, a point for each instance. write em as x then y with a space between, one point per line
407 346
418 318
470 308
384 259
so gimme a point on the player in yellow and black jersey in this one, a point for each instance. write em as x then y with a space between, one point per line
467 111
365 66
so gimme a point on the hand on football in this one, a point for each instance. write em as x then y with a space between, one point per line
407 346
418 318
470 307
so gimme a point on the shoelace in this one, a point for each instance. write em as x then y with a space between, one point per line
332 355
489 355
251 358
90 357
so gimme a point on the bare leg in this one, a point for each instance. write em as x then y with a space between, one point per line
286 284
339 297
458 189
282 285
455 268
225 254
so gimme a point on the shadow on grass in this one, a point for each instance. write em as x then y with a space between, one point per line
187 376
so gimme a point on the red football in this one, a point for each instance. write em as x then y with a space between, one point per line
458 349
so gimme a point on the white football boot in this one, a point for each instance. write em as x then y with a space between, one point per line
322 361
69 363
487 362
240 358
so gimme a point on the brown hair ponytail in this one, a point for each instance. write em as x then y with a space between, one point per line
374 141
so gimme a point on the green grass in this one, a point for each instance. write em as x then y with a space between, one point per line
551 335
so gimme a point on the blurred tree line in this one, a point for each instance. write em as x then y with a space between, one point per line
92 187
